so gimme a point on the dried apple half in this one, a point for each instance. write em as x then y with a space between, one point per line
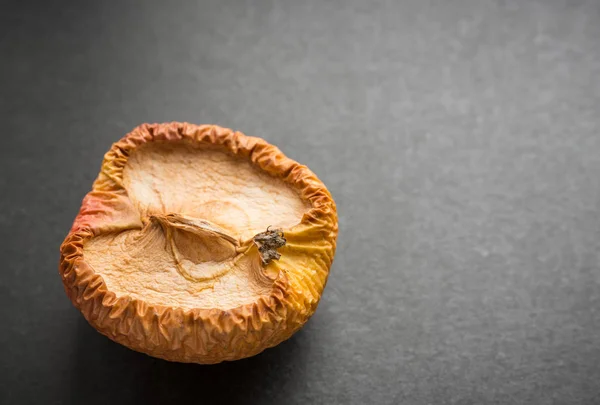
199 244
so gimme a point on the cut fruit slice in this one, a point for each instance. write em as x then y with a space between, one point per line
199 244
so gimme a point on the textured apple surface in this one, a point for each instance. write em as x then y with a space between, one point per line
199 244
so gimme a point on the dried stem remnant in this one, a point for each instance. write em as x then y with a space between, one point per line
268 242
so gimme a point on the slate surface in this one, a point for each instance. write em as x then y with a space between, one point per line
461 140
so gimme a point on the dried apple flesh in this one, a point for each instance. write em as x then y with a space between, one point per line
165 264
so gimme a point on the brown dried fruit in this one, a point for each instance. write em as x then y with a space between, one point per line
199 244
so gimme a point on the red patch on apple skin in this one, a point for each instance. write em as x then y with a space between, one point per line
101 211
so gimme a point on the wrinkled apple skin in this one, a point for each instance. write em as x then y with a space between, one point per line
202 335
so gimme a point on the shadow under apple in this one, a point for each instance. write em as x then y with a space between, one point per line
108 373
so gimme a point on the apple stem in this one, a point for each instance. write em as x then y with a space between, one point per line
268 242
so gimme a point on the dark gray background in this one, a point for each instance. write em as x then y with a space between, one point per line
460 139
